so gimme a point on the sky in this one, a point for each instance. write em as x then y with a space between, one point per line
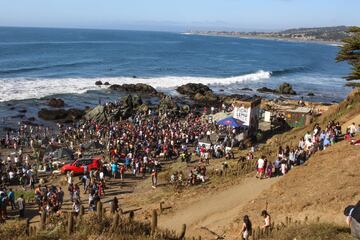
180 15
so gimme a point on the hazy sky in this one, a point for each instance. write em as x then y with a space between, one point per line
180 15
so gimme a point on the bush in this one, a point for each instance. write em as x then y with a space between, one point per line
12 230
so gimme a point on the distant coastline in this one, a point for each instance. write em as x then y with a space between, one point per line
245 36
322 35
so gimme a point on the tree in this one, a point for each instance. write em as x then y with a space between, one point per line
350 52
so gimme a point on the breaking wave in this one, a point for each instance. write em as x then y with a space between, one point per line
25 88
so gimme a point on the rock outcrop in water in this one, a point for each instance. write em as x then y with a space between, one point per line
287 89
134 88
284 88
267 90
98 83
198 92
56 102
191 89
61 115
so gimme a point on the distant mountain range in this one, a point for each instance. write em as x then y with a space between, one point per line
327 34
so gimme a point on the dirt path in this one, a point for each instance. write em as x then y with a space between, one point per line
217 210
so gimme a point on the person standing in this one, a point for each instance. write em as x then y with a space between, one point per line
114 169
260 167
21 206
11 197
352 214
246 230
154 178
267 220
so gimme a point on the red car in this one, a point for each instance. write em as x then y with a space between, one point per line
78 166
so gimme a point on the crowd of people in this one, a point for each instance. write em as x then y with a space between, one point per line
129 147
316 140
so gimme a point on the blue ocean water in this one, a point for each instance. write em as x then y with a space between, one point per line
37 62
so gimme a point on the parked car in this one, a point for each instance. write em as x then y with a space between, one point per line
78 166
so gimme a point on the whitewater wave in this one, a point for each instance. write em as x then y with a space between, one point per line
21 88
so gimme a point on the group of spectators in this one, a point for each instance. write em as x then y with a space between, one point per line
316 140
7 198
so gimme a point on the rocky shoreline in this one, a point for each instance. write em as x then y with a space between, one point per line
136 97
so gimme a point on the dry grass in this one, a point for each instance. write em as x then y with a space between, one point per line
313 231
88 227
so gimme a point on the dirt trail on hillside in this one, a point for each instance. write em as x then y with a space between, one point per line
217 210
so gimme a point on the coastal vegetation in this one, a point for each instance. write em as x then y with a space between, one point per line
350 52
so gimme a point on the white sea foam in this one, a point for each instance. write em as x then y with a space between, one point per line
21 88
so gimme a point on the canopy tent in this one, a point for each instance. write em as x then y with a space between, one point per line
230 121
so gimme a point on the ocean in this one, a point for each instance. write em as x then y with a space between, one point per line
39 62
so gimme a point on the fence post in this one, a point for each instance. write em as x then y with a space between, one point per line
115 222
34 230
28 227
154 222
43 220
183 231
82 211
70 226
112 209
131 216
257 234
161 207
99 210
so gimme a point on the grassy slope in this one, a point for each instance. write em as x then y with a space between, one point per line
324 185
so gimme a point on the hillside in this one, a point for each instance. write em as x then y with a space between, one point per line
327 34
320 188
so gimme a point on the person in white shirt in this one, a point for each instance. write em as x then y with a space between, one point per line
352 129
21 206
260 167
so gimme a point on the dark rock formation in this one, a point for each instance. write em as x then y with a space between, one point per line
168 105
207 97
266 90
56 102
124 110
61 114
246 89
191 89
310 94
287 89
98 83
198 92
106 83
134 88
284 88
